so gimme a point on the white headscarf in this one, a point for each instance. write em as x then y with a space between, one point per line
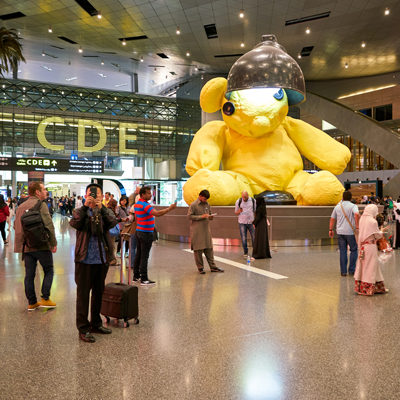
368 222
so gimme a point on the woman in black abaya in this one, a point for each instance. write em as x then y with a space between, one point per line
261 243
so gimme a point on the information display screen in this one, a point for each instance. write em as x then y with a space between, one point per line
51 165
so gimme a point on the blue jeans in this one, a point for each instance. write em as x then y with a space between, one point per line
45 257
243 233
343 241
132 249
62 211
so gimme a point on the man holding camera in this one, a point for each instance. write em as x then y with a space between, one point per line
93 251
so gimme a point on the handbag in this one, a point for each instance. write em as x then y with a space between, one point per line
383 245
114 232
130 227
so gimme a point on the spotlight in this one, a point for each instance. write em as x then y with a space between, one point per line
195 68
346 65
241 15
50 30
308 30
99 15
242 44
102 62
187 54
299 55
363 44
123 43
43 54
178 32
80 49
141 59
387 11
202 77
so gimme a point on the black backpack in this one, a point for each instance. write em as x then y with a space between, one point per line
253 201
35 232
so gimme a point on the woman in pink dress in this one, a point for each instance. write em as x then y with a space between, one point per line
368 276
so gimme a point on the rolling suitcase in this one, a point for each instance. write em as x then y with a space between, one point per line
120 300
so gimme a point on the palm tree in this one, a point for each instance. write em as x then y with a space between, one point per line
10 51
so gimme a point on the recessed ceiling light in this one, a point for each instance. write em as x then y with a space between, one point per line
195 68
43 54
178 32
23 88
99 15
346 65
80 94
299 55
241 15
44 90
80 49
141 59
123 42
387 11
50 30
242 44
155 69
202 77
187 54
363 44
308 30
102 62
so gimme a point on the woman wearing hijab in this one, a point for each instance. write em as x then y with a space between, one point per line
261 243
4 213
368 276
11 209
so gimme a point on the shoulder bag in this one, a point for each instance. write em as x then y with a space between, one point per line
347 219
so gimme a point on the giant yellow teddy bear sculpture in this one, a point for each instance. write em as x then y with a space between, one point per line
259 148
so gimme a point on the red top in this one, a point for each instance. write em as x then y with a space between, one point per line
4 213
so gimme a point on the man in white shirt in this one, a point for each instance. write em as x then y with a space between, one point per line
346 231
245 207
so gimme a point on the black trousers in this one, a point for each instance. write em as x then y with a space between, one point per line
144 243
89 277
119 245
3 230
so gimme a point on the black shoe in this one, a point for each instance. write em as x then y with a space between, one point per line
201 271
87 337
343 274
217 269
147 282
136 280
101 329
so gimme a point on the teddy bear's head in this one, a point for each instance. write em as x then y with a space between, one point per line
251 112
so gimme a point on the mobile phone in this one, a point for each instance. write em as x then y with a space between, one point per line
93 192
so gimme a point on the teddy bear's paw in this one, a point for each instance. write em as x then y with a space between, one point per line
225 187
322 189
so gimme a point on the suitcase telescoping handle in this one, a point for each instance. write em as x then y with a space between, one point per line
123 262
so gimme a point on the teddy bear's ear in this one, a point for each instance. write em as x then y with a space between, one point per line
212 94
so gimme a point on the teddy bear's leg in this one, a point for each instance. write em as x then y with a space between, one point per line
319 189
225 187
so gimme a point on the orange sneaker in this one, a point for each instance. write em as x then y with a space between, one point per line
33 307
47 304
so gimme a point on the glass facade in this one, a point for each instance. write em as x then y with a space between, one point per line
42 119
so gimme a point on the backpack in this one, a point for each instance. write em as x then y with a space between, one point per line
35 233
390 204
240 202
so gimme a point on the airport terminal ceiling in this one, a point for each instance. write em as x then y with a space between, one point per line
212 36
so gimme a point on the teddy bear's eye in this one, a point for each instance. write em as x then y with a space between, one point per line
228 108
279 94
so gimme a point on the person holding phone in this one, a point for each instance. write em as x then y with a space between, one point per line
199 215
93 253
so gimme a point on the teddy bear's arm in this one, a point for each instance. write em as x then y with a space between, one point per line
314 144
206 148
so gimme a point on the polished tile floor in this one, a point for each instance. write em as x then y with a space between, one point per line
237 335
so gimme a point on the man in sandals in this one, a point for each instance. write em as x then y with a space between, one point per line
347 216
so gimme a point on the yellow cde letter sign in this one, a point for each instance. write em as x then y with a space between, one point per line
123 136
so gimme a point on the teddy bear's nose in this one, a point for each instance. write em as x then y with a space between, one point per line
260 125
